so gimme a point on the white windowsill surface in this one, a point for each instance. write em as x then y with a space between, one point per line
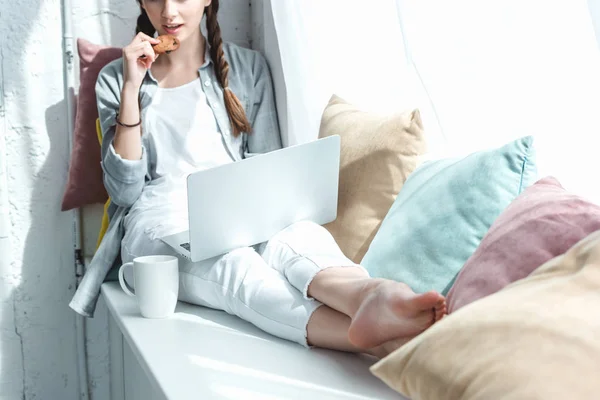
201 353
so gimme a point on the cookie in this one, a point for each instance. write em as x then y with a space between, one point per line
168 43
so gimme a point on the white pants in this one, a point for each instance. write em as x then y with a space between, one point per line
267 288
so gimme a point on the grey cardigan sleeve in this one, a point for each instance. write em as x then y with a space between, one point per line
123 179
265 134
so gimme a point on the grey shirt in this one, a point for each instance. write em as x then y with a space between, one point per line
249 79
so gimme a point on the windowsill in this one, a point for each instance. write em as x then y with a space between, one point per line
200 353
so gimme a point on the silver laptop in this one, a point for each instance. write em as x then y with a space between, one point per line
247 202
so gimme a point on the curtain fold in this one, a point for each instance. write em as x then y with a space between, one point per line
350 48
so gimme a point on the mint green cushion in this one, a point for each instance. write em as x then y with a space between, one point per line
443 211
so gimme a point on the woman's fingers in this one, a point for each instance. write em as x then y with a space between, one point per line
142 37
140 49
149 54
138 58
147 50
142 52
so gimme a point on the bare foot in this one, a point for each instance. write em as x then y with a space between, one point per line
387 348
391 310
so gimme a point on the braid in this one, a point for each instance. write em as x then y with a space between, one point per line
235 110
143 23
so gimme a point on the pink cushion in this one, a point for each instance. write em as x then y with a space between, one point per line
540 224
84 184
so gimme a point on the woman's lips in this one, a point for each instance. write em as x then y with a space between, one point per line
172 29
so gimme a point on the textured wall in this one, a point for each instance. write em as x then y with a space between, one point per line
37 358
37 334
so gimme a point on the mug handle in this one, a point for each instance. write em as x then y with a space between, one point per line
124 284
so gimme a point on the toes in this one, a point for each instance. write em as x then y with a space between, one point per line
427 301
440 310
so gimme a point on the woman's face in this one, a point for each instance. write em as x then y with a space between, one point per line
176 17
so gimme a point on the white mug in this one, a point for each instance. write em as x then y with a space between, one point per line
155 284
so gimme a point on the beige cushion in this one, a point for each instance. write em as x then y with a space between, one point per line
378 152
538 338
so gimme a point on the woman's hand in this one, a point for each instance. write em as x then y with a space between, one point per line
138 57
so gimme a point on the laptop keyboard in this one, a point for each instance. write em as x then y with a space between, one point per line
185 246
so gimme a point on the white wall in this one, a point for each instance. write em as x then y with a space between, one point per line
37 334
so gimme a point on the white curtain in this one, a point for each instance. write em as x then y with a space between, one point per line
482 72
354 49
497 70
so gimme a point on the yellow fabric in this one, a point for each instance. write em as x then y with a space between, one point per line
99 130
538 338
104 225
378 152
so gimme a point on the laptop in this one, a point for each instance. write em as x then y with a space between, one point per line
247 202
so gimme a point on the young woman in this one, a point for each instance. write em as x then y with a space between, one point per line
210 103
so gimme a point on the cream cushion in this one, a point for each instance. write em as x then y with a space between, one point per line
538 338
378 152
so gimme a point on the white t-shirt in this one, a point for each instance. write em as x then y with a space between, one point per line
184 132
184 138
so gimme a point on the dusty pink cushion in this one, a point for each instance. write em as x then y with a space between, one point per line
540 224
84 184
